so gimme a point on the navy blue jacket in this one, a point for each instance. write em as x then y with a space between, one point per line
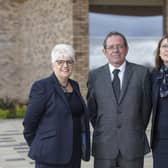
155 96
48 124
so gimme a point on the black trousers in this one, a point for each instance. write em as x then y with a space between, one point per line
160 154
75 164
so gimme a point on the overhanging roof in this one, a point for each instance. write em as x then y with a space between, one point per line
127 7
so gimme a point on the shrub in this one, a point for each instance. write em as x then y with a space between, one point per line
11 109
20 110
3 113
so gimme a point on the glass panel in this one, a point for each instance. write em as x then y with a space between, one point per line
142 34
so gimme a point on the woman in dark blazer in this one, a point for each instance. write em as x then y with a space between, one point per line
56 124
159 132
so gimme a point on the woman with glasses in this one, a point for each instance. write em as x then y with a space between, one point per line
56 124
159 132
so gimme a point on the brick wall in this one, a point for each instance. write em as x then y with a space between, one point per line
81 42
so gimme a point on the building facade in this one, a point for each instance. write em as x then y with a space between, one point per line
29 29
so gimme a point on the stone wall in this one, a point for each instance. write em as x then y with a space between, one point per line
44 23
9 49
29 29
165 16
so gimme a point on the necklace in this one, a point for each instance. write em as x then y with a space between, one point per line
64 88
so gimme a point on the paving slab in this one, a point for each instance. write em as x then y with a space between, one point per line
13 148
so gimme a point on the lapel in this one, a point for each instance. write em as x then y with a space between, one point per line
76 90
59 90
155 91
61 93
107 83
127 75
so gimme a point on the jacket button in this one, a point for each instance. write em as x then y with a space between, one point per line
119 126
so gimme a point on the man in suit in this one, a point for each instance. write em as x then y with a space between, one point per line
119 101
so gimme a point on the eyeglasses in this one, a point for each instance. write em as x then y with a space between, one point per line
164 46
62 62
113 47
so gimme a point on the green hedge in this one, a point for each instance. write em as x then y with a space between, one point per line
11 109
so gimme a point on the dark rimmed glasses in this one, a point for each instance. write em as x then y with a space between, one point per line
164 46
113 47
62 62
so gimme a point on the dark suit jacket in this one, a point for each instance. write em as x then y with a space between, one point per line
48 125
156 81
119 127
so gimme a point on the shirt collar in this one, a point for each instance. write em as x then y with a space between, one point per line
121 67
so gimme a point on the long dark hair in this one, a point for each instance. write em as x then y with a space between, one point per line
158 60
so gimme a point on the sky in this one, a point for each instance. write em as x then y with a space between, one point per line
101 24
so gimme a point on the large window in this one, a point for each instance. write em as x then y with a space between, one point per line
142 34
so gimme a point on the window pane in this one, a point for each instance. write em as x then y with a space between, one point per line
142 34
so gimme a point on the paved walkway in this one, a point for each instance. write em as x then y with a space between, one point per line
13 149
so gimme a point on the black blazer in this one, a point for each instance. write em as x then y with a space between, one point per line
155 96
48 125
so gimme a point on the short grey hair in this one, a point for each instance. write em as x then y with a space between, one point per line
62 51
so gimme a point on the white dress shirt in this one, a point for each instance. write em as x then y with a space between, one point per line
120 74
